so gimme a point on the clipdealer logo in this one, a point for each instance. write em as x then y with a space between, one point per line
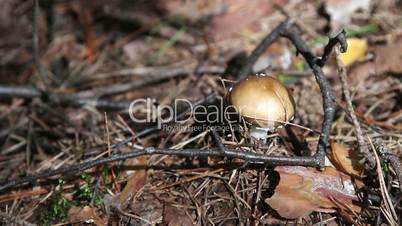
147 110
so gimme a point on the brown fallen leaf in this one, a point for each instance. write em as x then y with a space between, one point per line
345 160
136 181
192 10
242 16
388 58
302 190
84 215
228 17
173 216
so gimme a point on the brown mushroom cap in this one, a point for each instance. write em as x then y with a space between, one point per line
263 101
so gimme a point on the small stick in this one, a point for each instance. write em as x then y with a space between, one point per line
214 152
339 38
325 88
392 159
150 76
363 147
217 140
60 98
35 43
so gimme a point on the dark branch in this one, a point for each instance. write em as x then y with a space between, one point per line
325 88
217 140
229 153
60 99
339 38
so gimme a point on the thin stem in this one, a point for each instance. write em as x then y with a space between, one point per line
35 43
363 147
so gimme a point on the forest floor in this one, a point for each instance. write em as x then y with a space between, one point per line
77 77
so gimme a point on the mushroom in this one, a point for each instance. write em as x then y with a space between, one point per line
264 102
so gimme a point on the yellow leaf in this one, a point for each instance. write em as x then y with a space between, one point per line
357 49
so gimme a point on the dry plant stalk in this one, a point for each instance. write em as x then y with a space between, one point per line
363 147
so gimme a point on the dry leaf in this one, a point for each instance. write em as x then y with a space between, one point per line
388 58
228 17
192 10
242 16
345 159
175 217
357 49
136 181
85 215
302 190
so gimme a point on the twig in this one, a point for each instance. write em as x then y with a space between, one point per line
149 76
19 91
72 100
60 98
187 180
235 201
287 29
363 147
35 42
390 213
217 140
391 159
184 67
339 38
325 88
214 152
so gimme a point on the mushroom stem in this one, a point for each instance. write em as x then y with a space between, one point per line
259 133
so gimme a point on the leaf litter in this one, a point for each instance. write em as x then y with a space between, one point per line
97 45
